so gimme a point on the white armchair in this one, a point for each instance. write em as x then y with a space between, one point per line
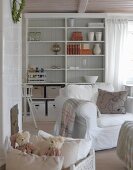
103 129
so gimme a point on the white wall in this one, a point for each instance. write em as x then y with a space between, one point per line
11 71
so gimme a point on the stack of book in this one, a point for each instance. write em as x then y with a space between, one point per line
73 49
83 49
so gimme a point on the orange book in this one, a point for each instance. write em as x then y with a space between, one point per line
85 51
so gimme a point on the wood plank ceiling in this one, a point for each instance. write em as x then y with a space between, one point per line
79 6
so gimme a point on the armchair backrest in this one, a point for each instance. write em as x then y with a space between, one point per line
84 92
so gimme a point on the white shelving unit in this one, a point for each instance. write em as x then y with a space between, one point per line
63 67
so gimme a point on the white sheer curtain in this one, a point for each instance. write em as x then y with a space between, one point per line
117 31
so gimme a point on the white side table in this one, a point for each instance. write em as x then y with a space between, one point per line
129 88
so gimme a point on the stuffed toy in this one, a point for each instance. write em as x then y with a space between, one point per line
55 144
21 142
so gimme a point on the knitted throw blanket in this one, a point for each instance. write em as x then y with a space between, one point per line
125 144
68 116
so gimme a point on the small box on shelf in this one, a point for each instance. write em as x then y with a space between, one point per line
52 91
96 24
38 92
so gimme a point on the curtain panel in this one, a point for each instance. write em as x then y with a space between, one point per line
116 35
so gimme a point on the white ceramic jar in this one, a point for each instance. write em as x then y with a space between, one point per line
91 36
97 49
98 36
71 22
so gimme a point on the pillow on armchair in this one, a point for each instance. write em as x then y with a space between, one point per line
111 102
83 92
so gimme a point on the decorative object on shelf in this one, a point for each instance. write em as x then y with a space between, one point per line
98 36
85 49
31 36
37 77
37 36
34 36
96 24
56 48
17 7
55 67
77 36
71 22
91 36
91 79
97 49
84 63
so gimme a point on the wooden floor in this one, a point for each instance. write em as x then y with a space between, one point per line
45 126
108 160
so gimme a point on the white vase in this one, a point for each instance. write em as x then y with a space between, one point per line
91 36
98 36
71 22
97 49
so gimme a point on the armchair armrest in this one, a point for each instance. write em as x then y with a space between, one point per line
88 111
86 120
129 104
59 101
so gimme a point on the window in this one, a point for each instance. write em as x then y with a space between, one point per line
129 70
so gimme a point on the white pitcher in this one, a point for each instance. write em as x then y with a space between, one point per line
97 49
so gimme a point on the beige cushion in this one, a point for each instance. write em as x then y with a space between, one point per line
111 102
16 160
103 86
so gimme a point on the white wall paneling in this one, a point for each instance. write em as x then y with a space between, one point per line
10 75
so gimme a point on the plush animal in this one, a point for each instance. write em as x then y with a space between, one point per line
21 142
55 144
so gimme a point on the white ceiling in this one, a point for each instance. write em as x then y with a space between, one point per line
82 6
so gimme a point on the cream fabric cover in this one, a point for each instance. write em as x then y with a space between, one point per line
73 150
107 120
83 92
16 160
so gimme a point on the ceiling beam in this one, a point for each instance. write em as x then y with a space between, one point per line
82 6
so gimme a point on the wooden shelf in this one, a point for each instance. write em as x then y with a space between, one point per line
46 27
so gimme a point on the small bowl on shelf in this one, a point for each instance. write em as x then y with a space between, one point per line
91 79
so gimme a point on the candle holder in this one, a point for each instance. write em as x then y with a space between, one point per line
56 48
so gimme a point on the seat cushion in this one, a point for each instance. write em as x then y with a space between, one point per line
107 120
